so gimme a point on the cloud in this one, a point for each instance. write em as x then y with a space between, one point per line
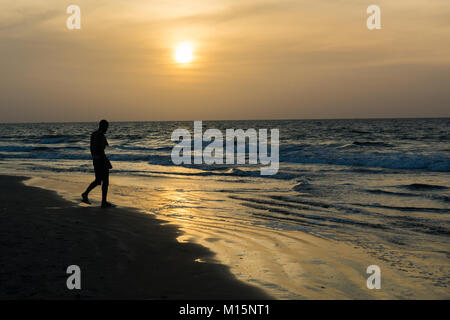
27 21
236 12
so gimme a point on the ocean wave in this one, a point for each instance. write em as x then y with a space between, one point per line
372 143
424 187
303 185
16 148
25 149
359 144
140 148
127 137
401 194
53 140
406 209
59 138
357 162
430 162
47 156
280 209
439 197
371 170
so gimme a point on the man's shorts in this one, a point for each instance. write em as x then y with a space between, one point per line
101 170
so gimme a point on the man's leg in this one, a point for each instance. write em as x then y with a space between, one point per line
85 194
91 187
105 188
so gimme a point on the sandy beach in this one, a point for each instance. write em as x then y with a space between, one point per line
170 248
123 254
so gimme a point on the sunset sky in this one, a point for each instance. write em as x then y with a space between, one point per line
252 59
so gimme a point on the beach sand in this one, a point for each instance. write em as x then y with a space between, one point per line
185 239
123 254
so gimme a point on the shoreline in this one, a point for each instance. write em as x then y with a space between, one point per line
122 253
281 264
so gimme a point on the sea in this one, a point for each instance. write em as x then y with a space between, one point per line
379 185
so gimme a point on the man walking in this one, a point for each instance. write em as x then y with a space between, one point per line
101 164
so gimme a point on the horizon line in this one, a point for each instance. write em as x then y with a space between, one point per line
216 120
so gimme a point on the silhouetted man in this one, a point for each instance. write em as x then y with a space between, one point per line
101 164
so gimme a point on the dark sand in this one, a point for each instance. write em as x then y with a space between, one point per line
123 254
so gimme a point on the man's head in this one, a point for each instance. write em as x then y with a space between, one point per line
103 126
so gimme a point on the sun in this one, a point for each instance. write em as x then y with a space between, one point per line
184 52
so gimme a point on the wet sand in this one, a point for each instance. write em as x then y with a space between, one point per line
149 252
122 253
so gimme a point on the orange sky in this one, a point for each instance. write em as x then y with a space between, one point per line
254 59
